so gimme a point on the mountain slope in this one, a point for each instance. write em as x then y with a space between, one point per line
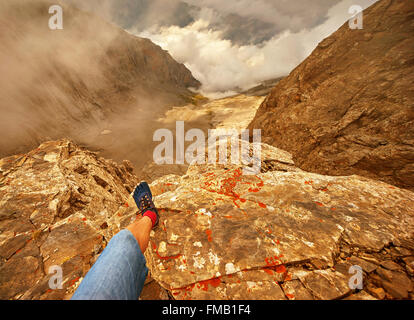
349 107
282 234
73 82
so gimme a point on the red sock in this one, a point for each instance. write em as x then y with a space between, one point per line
152 216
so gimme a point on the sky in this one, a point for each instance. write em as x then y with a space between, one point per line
230 44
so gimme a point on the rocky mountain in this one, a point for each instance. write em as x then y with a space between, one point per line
54 207
79 81
281 234
349 107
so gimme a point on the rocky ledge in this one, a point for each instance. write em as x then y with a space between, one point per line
54 204
281 234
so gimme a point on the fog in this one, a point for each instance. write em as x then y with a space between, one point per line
76 83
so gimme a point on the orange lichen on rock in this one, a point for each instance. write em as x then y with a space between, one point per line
203 285
268 271
280 269
272 261
209 237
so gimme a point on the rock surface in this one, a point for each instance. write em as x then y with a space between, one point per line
282 234
348 108
54 204
227 113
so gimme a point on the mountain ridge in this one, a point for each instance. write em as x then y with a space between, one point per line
75 82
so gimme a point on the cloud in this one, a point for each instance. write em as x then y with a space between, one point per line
284 14
230 44
222 65
241 21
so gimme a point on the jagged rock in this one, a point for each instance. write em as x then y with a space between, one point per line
225 235
20 272
53 202
391 265
348 108
397 284
409 261
326 284
365 265
72 238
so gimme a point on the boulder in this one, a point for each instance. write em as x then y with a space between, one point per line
54 202
279 234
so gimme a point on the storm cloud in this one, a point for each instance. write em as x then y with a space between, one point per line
233 44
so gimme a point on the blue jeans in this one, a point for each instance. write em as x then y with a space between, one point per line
118 274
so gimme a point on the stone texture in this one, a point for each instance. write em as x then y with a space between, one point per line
365 265
294 290
326 284
348 108
53 203
379 293
217 223
362 295
391 265
281 234
409 265
248 284
396 284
